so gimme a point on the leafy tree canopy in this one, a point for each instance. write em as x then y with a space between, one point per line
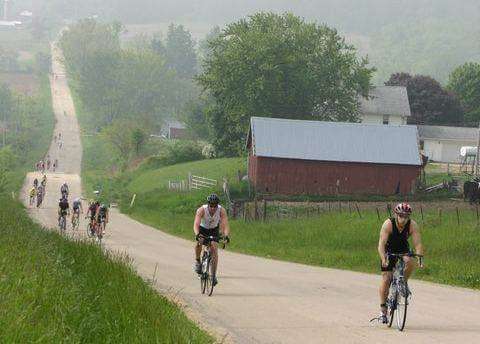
464 82
180 51
280 66
430 103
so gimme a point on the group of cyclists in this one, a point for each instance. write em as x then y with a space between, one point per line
38 191
99 214
211 220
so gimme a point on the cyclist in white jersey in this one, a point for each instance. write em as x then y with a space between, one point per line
209 220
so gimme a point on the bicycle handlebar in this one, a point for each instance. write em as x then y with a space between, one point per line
214 238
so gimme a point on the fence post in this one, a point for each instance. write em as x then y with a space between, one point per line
256 209
378 213
245 212
358 210
329 206
440 214
189 181
458 217
389 210
340 206
264 210
349 208
133 200
421 212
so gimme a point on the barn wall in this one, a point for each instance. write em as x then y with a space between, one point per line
290 176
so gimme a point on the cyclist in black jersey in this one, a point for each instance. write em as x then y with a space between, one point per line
394 236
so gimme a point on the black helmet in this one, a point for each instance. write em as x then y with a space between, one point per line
213 199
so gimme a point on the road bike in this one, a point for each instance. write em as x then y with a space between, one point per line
62 222
90 229
398 294
32 198
208 274
75 220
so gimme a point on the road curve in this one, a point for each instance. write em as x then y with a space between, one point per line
260 300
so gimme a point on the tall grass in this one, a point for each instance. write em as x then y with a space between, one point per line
55 290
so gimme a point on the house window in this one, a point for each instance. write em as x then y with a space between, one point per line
386 119
422 144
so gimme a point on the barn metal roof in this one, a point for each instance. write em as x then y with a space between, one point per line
386 100
447 133
334 141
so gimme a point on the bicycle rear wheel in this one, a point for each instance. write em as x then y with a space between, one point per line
402 303
90 232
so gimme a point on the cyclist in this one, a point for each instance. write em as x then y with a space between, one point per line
33 192
40 190
77 207
209 219
63 208
92 209
394 236
35 183
64 190
102 216
44 180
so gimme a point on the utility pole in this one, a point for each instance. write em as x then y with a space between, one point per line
478 153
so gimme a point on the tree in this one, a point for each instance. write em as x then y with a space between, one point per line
280 66
138 140
429 102
464 82
180 51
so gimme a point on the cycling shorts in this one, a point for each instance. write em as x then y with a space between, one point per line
391 263
210 232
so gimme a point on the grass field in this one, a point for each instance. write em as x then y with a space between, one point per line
56 290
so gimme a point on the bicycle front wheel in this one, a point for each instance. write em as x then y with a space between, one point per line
204 278
402 303
392 305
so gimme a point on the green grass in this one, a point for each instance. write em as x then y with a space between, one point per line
56 290
217 169
342 241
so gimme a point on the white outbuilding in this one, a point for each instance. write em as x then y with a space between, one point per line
443 144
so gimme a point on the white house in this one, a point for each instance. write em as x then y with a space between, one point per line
386 105
443 144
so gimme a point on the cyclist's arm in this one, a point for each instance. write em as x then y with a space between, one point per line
198 219
384 233
224 225
417 240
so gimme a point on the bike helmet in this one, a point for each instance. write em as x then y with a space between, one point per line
213 199
403 209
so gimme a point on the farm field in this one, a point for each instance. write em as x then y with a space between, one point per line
23 83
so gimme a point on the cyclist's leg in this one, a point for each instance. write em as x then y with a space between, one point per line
409 266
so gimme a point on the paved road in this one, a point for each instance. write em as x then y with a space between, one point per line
260 300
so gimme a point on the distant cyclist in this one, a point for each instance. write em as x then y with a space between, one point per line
63 208
102 218
33 192
209 220
394 236
77 208
92 211
64 190
35 183
40 194
44 181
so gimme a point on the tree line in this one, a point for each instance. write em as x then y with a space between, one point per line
265 65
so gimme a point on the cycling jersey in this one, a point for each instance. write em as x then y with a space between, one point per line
63 205
210 221
76 205
102 212
398 241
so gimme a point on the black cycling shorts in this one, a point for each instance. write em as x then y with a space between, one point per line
211 232
391 263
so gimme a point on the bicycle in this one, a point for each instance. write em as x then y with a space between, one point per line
90 229
32 198
399 293
62 222
206 278
75 220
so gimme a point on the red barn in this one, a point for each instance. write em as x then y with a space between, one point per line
313 157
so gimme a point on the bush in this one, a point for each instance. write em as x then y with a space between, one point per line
175 153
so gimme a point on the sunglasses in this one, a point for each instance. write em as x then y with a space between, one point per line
403 216
213 206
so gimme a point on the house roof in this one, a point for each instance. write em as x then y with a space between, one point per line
334 141
447 133
386 100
